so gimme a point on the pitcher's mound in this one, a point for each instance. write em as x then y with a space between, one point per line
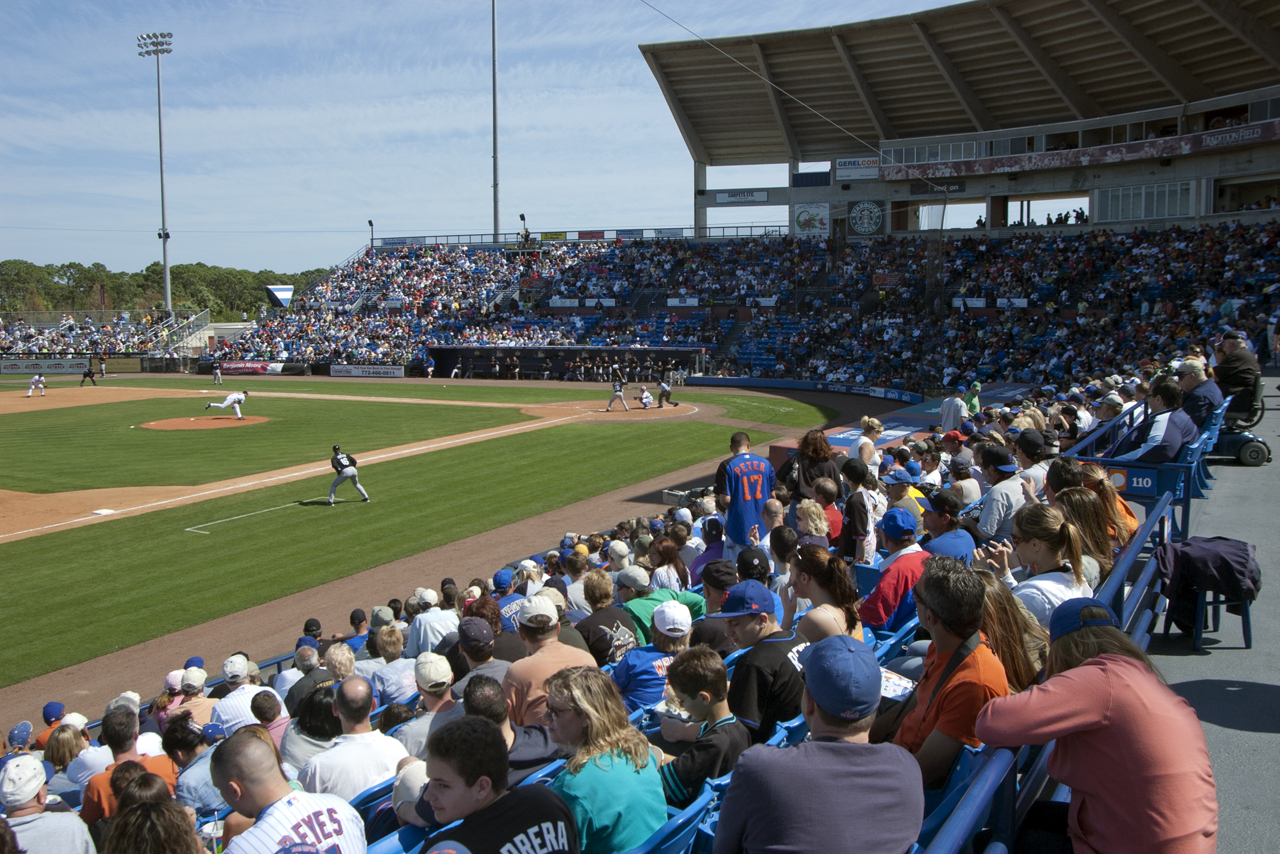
204 422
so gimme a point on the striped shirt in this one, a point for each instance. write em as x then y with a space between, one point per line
232 710
325 821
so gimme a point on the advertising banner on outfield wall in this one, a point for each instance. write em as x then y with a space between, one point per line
124 366
366 370
43 366
245 368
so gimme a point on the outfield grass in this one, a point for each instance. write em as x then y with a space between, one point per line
766 410
146 576
92 447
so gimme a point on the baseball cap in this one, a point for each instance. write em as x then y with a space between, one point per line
526 564
52 711
236 668
20 735
193 677
537 612
1060 398
967 428
566 542
620 553
556 597
335 447
897 476
581 548
942 501
410 782
474 633
1112 399
357 617
75 720
953 436
1075 397
1188 366
1007 464
172 683
502 579
843 677
979 418
213 733
128 700
753 563
897 522
712 531
197 661
305 640
432 671
656 526
748 597
21 779
913 468
720 574
311 625
635 578
382 616
684 515
1066 617
427 596
673 619
1031 442
962 388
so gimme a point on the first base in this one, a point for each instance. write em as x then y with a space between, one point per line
103 512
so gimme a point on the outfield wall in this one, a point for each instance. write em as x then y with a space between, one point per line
807 385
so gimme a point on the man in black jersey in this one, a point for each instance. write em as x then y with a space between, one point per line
617 395
467 767
345 466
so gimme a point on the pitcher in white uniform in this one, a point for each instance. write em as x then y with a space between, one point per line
233 400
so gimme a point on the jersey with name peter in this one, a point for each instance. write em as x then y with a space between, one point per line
524 820
750 485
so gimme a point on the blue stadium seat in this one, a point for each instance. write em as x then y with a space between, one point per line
676 836
544 774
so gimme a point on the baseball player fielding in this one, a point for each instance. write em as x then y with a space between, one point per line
345 466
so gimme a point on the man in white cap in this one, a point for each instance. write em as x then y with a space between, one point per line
436 704
540 630
430 627
232 711
361 756
24 792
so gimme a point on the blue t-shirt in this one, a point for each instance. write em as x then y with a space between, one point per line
957 544
510 606
641 676
750 482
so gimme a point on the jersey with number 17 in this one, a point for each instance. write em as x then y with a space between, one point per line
751 481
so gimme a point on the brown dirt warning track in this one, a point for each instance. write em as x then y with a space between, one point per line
272 628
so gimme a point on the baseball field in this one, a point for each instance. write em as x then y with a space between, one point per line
130 511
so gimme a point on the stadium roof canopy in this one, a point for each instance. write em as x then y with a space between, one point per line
978 66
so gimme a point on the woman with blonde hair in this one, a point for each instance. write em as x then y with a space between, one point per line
64 745
1132 751
865 448
1050 549
1083 508
812 524
1123 523
823 579
1021 644
611 781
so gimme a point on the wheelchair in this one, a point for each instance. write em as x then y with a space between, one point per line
1235 440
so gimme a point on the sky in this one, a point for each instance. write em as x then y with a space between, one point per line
288 125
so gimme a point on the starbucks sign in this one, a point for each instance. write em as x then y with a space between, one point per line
866 218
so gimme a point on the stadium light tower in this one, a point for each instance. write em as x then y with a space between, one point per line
493 32
156 44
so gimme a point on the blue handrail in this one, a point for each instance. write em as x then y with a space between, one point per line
957 829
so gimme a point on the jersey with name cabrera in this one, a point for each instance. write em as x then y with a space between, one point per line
527 819
325 821
750 482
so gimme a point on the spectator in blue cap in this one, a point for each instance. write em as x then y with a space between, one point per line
1004 498
766 685
899 484
797 799
508 599
52 714
890 605
1132 751
20 738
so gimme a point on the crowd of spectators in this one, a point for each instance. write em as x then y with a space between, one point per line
70 337
738 271
603 666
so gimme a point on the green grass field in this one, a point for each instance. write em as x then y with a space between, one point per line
147 576
765 410
90 447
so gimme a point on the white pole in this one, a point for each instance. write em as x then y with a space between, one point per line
164 223
493 6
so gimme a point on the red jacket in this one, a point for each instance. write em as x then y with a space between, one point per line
895 583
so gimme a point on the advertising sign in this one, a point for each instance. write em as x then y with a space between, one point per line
739 197
126 366
668 232
677 301
977 302
857 168
590 235
552 235
20 365
811 220
630 233
866 218
936 188
563 302
229 368
886 280
366 370
1016 302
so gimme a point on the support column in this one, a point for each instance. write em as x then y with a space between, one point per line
699 191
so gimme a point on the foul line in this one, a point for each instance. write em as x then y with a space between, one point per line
306 472
196 529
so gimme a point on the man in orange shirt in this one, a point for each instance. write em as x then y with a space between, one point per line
961 672
120 733
540 630
52 715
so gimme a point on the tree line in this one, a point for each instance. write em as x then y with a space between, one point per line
73 287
